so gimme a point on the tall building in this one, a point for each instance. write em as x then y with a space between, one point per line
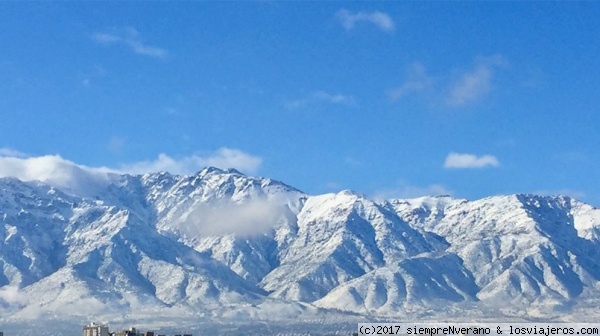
94 329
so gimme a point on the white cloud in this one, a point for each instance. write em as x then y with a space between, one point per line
4 151
10 295
404 190
56 171
475 84
463 160
86 181
321 97
226 217
222 158
42 168
234 158
417 80
380 19
131 38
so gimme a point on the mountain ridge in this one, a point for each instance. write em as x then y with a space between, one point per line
219 241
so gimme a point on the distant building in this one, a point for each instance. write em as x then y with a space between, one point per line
95 329
130 332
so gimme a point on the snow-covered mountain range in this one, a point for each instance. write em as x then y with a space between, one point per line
220 243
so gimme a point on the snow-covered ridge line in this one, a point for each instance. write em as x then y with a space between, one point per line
220 242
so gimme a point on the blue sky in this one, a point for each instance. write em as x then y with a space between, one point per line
394 99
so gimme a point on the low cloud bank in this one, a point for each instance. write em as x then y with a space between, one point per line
226 217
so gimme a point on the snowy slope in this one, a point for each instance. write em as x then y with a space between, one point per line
522 249
340 237
221 242
414 284
105 253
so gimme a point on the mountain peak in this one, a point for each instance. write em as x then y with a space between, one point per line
215 170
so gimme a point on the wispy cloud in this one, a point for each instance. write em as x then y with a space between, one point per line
451 90
91 75
222 158
572 157
115 144
332 186
405 190
474 84
464 160
321 97
130 38
380 19
417 80
172 111
352 161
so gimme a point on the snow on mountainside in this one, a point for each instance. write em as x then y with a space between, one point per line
522 249
62 252
220 242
